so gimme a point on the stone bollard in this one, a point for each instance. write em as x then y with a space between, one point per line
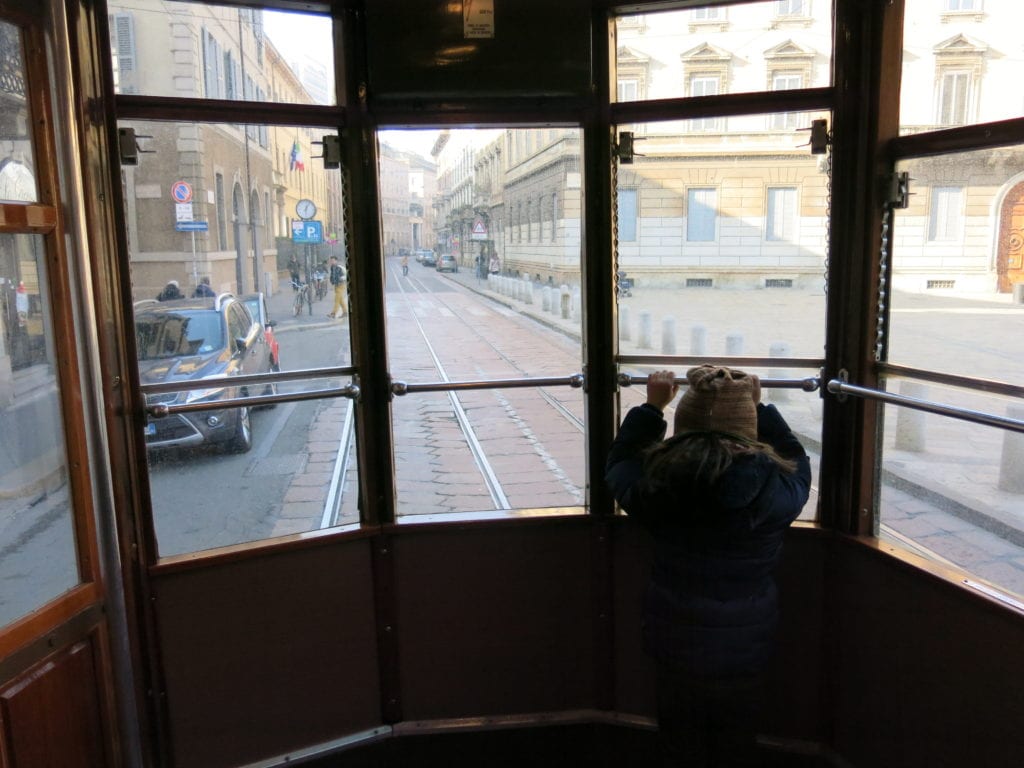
566 300
777 349
577 304
644 333
910 422
545 298
528 290
625 334
698 340
1018 293
668 335
1011 475
734 344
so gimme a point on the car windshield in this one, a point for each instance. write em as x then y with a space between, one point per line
177 334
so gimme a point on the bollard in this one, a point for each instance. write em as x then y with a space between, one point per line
1011 477
528 290
734 344
577 304
910 422
625 334
778 349
644 340
1018 293
668 335
545 298
566 302
698 340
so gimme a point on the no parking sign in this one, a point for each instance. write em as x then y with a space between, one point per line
181 191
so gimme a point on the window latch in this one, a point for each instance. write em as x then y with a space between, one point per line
897 195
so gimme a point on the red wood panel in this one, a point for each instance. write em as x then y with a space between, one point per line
51 717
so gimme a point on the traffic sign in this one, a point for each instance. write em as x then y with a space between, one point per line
181 191
307 232
183 212
192 226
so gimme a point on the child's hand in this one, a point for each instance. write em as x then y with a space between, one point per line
661 388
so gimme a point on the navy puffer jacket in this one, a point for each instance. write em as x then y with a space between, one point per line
711 606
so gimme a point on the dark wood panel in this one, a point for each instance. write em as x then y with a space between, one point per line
926 670
269 654
51 716
495 620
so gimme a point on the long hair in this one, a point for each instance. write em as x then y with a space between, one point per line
697 460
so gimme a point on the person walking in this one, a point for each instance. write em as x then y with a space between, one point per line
405 264
203 289
170 292
338 277
717 497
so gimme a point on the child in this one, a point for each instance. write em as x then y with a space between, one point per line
717 497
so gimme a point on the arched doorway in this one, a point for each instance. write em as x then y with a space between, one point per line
1010 254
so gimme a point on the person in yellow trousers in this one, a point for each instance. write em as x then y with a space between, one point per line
338 279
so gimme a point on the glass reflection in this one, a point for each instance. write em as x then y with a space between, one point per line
38 559
17 167
744 48
194 50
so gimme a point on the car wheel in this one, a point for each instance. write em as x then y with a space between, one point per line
241 441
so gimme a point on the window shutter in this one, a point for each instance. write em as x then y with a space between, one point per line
124 41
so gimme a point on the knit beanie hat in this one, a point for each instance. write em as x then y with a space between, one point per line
718 399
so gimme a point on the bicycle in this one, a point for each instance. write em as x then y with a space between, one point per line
320 279
302 296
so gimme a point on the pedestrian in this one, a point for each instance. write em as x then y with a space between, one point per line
293 272
495 266
338 278
405 264
203 289
170 292
717 497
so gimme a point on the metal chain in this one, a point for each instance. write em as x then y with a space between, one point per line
828 208
883 283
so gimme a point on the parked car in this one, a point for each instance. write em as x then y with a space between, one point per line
426 257
204 339
447 263
256 303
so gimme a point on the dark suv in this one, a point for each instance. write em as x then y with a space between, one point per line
208 339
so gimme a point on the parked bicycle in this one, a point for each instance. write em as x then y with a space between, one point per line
303 295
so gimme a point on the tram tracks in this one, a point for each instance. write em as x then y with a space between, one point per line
409 287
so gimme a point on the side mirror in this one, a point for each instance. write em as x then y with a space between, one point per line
271 323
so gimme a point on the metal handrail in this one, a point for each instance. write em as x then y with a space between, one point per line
161 410
809 384
737 362
400 388
251 378
840 387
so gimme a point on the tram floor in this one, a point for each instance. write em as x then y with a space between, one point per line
597 746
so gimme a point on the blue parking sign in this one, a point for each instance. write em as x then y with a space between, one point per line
307 232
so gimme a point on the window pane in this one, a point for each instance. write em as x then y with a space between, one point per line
705 255
960 66
957 255
627 215
952 490
482 260
246 232
38 560
220 52
17 166
739 47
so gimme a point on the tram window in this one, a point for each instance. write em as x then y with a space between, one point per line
957 253
697 52
950 75
483 282
723 260
951 490
220 52
38 560
248 211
